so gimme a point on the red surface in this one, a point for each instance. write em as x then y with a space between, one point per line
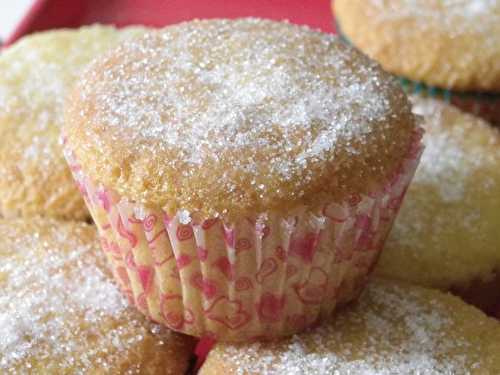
201 351
50 14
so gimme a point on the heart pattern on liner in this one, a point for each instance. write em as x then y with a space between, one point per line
312 291
173 314
206 286
271 308
268 267
229 313
264 276
243 283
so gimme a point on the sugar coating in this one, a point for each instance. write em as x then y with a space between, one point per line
218 116
61 313
446 163
450 44
37 72
446 234
454 16
394 329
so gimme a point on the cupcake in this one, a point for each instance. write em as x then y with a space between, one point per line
445 49
446 235
36 73
243 174
395 328
62 313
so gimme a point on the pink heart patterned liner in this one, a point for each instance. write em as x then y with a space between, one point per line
258 277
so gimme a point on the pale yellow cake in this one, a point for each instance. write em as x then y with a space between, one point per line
61 313
395 328
447 232
36 73
445 43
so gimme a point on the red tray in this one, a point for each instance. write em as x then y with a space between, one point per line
50 14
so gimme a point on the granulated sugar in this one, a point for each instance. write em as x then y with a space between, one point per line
448 161
58 305
393 330
208 101
454 16
270 108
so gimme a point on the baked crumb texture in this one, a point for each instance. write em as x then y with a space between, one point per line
243 174
448 44
61 312
36 74
395 328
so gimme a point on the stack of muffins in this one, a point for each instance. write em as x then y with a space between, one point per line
243 177
446 236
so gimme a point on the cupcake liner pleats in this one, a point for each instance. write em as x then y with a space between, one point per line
484 105
262 277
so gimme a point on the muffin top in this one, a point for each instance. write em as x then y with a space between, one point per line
36 73
61 313
394 329
452 44
226 117
446 234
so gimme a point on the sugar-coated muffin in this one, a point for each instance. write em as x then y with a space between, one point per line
446 234
449 49
248 171
36 73
61 312
445 43
395 328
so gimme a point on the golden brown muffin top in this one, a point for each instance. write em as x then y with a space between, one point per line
452 44
395 328
61 313
236 117
35 75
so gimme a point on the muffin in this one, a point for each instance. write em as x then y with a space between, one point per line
395 328
448 49
37 72
242 187
446 235
61 312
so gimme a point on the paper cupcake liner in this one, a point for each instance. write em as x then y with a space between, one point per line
482 104
258 277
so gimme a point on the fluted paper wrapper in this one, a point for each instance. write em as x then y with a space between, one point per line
259 277
484 105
